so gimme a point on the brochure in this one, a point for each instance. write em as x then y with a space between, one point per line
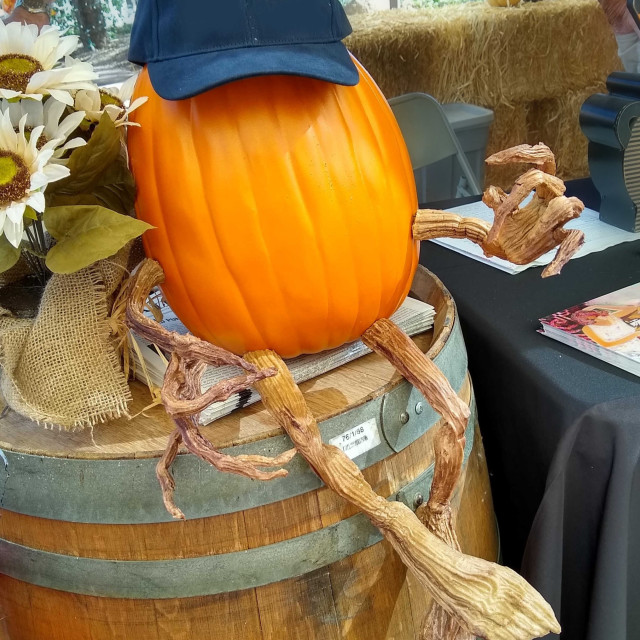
607 327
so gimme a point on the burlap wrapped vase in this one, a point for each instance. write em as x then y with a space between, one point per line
61 368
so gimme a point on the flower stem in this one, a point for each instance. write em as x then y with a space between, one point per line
40 231
38 246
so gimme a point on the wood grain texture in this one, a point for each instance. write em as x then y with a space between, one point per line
146 436
218 534
37 613
368 596
386 338
184 398
368 607
300 609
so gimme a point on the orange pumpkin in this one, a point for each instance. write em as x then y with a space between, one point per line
283 209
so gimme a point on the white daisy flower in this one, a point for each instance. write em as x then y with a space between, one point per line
115 101
25 172
30 64
47 113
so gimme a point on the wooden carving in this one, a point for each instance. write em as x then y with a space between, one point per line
472 597
518 234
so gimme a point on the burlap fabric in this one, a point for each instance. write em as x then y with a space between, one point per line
61 368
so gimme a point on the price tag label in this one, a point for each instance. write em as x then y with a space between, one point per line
358 440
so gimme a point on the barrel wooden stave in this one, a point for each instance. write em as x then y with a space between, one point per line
368 595
229 532
365 596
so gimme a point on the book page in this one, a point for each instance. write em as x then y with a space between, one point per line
598 236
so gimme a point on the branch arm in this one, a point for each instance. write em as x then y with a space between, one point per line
385 338
148 276
538 155
247 466
491 601
429 224
165 477
180 407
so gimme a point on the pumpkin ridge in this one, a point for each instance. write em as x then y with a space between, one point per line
164 230
398 139
303 144
206 332
384 269
404 287
275 281
310 224
372 199
376 97
413 254
316 241
309 200
249 315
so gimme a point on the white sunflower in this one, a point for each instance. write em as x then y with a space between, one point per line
25 172
31 67
47 113
115 101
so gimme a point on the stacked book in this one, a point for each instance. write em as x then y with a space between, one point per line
607 328
412 317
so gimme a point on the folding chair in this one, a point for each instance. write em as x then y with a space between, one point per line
430 138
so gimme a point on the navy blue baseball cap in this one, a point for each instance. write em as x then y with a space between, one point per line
190 46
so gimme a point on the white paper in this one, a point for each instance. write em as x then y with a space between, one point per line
358 440
598 237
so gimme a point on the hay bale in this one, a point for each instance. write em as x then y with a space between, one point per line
354 7
509 128
487 55
556 121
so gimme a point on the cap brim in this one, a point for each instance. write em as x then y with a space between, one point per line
180 78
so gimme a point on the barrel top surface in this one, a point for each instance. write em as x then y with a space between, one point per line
145 435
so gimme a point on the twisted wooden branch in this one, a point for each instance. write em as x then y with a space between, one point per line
538 155
440 625
388 340
182 396
518 234
433 223
165 477
490 601
149 276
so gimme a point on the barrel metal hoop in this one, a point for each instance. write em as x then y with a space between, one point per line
125 491
206 575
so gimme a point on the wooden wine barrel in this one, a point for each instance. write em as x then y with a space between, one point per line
88 552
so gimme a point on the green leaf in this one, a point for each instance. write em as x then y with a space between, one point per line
30 213
71 199
90 164
85 234
9 255
118 188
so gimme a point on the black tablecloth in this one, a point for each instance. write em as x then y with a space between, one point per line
562 435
